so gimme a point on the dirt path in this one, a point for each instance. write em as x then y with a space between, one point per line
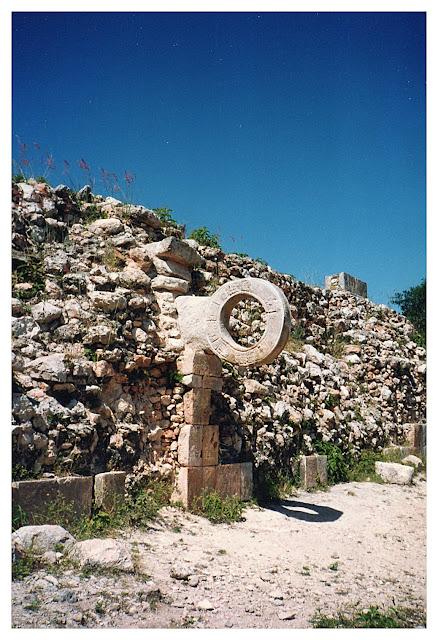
357 542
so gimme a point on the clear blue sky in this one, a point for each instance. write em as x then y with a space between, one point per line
299 138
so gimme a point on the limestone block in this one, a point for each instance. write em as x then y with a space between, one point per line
210 445
191 320
170 284
109 490
228 480
215 384
45 312
133 277
313 471
255 387
344 282
199 363
189 485
103 369
107 300
190 446
106 226
196 381
210 477
141 257
246 482
197 407
416 436
51 368
171 268
34 496
394 473
172 248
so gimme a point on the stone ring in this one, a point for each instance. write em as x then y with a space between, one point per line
278 321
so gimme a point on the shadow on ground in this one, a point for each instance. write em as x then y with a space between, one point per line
306 511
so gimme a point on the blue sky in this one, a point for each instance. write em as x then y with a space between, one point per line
299 138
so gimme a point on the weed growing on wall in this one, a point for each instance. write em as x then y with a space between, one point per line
205 238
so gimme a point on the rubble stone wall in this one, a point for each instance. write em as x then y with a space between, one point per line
96 340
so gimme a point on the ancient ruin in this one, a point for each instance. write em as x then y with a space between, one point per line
139 352
344 282
205 330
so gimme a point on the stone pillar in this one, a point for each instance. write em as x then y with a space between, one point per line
198 443
313 471
204 326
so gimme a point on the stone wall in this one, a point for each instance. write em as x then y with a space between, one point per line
96 339
345 282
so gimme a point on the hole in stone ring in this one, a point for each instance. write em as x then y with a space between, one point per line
245 321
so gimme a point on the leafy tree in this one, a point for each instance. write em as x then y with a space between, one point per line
412 303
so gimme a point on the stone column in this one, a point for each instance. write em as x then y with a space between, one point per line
204 325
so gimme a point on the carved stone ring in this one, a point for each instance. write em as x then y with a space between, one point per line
278 321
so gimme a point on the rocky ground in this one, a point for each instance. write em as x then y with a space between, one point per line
354 543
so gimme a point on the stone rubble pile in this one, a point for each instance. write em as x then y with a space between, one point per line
96 339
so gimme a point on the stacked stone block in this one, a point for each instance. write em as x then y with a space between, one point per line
198 444
344 282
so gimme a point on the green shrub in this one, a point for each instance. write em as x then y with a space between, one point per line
205 238
363 467
31 272
216 509
166 219
337 463
24 566
274 485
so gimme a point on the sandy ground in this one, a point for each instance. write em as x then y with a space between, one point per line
355 544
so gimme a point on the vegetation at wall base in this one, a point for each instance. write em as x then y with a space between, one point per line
273 485
374 617
216 509
140 507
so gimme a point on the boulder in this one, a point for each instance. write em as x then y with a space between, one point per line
51 368
394 473
107 300
172 248
414 461
103 553
38 539
25 327
45 312
106 226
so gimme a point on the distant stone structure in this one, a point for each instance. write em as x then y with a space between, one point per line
344 282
